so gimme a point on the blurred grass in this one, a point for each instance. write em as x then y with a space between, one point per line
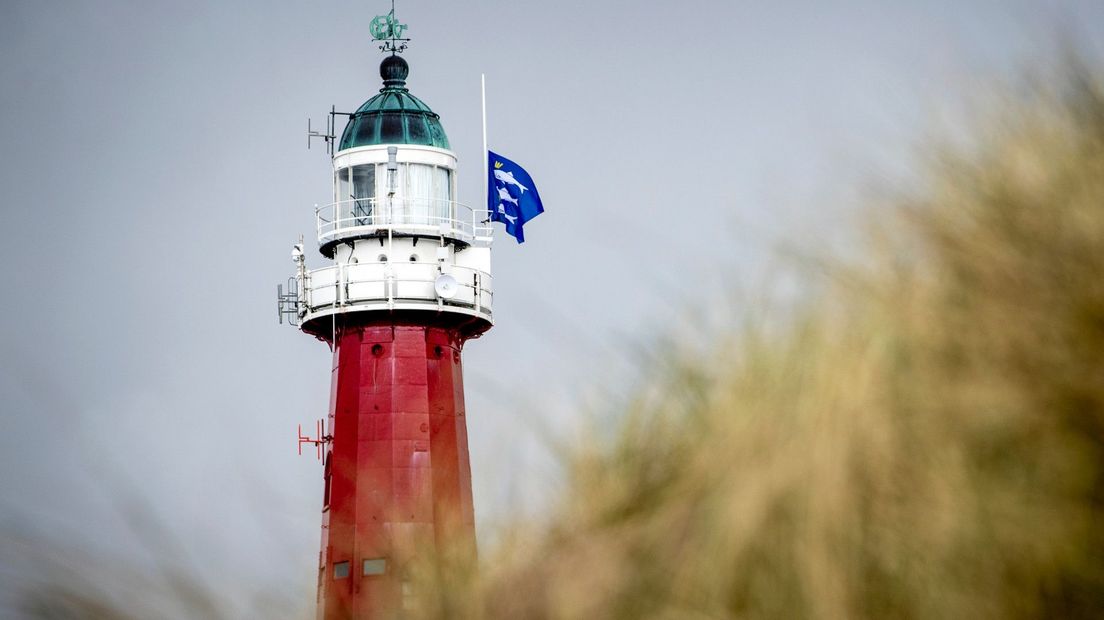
45 577
923 437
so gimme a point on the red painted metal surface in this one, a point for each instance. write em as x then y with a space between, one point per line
398 479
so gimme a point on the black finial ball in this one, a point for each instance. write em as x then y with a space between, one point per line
394 70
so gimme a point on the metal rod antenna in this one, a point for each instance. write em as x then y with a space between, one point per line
486 152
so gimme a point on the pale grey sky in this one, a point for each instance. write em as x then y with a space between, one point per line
155 175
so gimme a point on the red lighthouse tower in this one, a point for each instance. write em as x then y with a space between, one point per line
409 284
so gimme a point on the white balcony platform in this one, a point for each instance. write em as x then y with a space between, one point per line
354 218
344 288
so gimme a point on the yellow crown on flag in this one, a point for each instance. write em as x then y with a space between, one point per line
498 165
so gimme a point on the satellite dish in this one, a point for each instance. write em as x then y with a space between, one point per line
446 286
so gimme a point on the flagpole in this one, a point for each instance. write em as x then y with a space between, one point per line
483 90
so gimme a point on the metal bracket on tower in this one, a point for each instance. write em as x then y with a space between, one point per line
287 304
320 439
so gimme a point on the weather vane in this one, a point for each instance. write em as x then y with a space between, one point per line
387 28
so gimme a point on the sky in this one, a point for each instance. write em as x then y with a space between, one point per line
155 175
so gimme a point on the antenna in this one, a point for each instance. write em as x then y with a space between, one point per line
330 135
287 304
319 440
327 137
446 286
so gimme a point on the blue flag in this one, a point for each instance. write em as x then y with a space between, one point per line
512 196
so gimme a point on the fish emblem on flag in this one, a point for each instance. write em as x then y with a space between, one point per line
512 196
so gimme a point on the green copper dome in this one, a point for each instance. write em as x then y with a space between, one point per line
394 116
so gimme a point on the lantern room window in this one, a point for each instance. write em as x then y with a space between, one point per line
427 194
417 194
364 193
355 190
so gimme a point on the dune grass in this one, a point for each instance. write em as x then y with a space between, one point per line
924 438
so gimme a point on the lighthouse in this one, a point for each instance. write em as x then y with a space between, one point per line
407 283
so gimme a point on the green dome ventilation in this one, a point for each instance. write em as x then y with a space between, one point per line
394 116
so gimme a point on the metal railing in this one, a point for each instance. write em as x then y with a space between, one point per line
346 285
429 216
